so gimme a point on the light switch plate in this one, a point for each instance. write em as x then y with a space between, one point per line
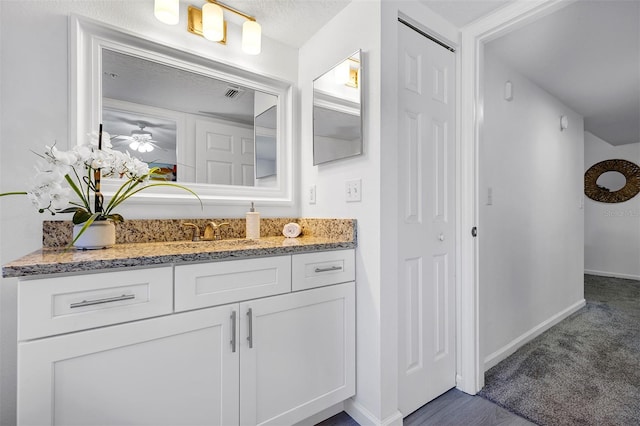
353 190
312 194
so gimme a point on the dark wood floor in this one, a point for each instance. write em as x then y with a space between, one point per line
454 408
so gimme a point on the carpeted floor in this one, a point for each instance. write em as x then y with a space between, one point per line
583 371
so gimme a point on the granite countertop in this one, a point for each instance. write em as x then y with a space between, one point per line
54 260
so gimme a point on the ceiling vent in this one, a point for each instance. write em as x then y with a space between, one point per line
233 92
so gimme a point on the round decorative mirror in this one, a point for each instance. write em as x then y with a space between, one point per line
612 181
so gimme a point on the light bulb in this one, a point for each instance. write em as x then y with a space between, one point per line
167 11
341 73
251 37
212 22
134 145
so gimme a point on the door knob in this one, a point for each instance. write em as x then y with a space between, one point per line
441 237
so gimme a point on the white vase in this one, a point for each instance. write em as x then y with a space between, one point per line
100 234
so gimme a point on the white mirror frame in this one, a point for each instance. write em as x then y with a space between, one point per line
88 38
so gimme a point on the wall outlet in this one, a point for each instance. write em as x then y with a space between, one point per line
353 189
312 194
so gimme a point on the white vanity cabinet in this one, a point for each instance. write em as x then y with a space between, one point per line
172 370
298 354
224 356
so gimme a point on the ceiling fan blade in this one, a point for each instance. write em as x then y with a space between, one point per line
145 123
155 145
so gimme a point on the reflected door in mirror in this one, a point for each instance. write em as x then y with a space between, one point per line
224 153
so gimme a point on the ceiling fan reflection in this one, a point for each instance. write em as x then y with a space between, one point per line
141 140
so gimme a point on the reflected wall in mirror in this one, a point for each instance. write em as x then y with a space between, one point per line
265 143
337 111
193 116
145 102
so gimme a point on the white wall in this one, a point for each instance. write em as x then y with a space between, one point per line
5 376
531 240
34 75
357 26
612 231
372 27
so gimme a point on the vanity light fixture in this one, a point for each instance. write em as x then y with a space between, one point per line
347 73
209 23
167 11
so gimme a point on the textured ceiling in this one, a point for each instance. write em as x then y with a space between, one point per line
293 22
138 80
588 56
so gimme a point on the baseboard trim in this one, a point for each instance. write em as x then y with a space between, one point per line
365 417
515 344
611 274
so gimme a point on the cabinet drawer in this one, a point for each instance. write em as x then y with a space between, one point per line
324 268
57 305
211 284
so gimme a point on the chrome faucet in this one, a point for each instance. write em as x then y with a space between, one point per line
212 231
196 230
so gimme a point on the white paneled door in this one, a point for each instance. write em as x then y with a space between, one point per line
224 154
426 219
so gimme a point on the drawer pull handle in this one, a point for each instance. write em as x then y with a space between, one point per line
233 331
101 301
329 269
250 335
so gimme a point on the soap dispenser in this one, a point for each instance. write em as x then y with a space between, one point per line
252 223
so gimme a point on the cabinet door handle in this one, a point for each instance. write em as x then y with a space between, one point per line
101 301
250 336
233 331
330 268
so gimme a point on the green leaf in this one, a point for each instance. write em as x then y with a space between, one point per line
115 217
77 190
13 193
130 192
70 210
82 216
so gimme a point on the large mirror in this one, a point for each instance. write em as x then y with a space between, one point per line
337 111
224 131
144 103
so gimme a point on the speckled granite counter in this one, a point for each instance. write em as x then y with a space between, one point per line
318 235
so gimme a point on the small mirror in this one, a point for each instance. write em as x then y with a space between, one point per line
337 111
611 181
